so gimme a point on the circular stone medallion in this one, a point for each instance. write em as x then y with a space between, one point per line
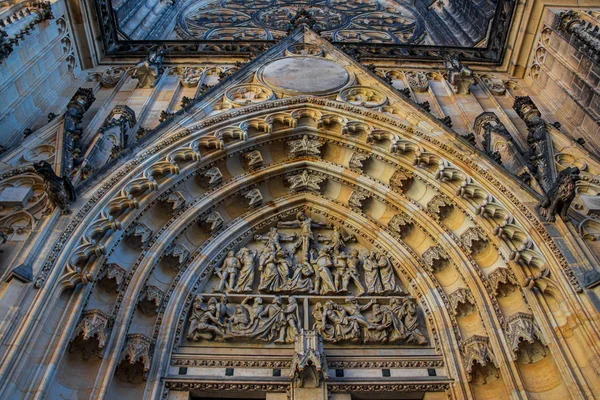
308 75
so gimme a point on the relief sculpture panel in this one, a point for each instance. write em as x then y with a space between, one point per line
305 274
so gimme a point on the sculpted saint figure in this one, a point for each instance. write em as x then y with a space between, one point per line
301 280
270 279
289 322
274 238
411 323
380 322
395 312
372 277
388 277
336 240
355 318
306 236
323 280
340 266
245 279
351 273
228 272
204 323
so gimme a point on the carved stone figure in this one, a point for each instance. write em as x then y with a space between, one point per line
371 271
149 70
270 278
337 240
228 273
204 323
460 77
561 195
324 283
388 277
351 273
273 239
305 224
301 280
414 334
60 190
245 279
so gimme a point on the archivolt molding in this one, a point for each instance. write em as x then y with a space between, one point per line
157 172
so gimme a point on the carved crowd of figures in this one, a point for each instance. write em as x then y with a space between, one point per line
349 322
217 320
324 271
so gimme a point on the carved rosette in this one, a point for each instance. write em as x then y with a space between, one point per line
435 259
91 333
462 302
136 357
476 350
474 239
401 225
150 300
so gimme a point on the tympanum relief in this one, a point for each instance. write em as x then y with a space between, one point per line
305 274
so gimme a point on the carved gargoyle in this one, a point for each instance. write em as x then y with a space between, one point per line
561 195
60 190
150 69
460 76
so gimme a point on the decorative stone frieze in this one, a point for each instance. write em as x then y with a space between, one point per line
111 76
112 277
305 147
401 225
150 299
462 302
435 259
135 359
418 81
91 333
